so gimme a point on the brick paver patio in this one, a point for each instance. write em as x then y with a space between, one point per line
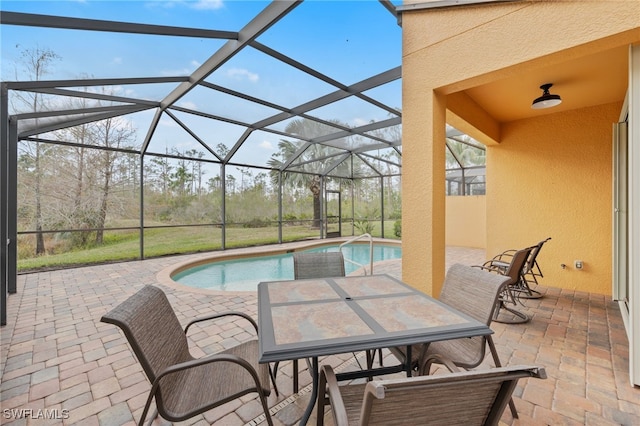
59 360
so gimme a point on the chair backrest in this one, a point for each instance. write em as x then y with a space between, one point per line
518 264
152 329
318 265
472 291
535 250
477 397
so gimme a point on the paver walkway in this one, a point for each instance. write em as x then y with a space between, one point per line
59 360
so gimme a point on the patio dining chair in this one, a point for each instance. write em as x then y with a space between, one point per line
530 272
515 270
476 293
318 265
466 398
184 386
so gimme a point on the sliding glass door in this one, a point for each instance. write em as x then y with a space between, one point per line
626 214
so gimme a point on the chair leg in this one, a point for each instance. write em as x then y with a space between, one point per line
524 291
265 407
496 361
147 405
153 417
518 317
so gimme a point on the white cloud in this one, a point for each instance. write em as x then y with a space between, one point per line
360 122
240 73
189 105
184 71
266 145
193 4
207 4
173 73
117 60
167 122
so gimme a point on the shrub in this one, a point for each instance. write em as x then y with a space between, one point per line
364 226
397 228
256 223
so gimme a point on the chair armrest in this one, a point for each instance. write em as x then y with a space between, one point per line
484 268
505 256
329 382
425 368
172 369
194 364
221 315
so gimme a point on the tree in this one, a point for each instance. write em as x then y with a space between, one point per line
312 163
110 133
214 183
230 183
196 170
180 180
260 182
158 172
37 62
463 153
245 173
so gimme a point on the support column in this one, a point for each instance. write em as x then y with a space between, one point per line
423 189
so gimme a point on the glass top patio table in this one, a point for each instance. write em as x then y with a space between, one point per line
326 316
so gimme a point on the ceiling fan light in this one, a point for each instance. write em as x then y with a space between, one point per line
547 100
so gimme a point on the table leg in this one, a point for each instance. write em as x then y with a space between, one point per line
314 393
295 376
408 366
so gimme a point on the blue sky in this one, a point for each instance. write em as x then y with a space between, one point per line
346 40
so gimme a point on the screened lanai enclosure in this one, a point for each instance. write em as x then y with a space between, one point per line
465 164
130 130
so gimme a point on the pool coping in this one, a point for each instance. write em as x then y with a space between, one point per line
165 274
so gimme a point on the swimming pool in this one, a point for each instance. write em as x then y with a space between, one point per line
245 274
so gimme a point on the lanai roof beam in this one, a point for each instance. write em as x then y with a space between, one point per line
64 22
265 19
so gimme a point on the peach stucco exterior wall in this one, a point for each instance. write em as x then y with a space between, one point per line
466 223
449 50
551 177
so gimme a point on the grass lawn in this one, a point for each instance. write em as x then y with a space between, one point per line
125 245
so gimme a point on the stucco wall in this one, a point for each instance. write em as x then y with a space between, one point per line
551 177
466 221
449 50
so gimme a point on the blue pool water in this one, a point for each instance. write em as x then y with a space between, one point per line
245 274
